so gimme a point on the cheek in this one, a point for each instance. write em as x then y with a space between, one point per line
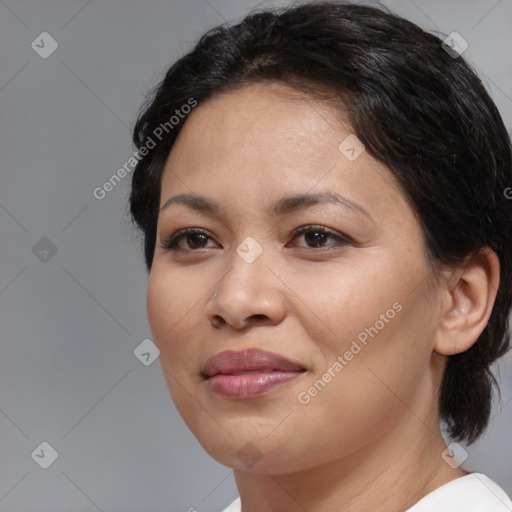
372 321
170 302
365 294
359 398
338 305
159 303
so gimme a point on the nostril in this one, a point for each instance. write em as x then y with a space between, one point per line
218 321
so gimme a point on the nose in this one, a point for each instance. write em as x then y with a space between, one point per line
248 294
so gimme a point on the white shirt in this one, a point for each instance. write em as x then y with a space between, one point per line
471 493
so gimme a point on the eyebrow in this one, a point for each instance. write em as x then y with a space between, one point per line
283 206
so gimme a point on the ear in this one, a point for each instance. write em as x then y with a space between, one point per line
469 295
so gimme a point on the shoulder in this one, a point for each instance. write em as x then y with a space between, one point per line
235 506
471 493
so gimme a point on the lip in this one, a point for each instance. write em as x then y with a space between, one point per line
248 373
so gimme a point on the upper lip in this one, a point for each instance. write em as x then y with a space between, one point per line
231 361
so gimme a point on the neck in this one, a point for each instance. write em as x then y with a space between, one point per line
390 474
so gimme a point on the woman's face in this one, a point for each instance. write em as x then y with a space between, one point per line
351 300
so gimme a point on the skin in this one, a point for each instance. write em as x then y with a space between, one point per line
370 439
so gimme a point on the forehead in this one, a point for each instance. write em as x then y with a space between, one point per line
257 114
269 139
260 124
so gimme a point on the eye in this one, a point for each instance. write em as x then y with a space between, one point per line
317 236
193 238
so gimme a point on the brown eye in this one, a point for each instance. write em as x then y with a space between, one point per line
315 238
318 236
196 240
186 239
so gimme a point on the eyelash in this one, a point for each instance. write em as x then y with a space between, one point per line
170 243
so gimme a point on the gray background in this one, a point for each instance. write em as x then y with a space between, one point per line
70 324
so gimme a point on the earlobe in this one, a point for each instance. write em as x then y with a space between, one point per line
470 292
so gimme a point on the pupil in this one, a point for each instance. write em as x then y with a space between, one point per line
196 236
315 238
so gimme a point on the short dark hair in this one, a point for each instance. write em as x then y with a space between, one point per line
419 110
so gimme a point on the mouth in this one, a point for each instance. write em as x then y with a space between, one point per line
231 362
249 373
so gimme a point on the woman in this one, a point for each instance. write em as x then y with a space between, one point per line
322 196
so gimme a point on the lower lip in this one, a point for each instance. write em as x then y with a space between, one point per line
248 385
